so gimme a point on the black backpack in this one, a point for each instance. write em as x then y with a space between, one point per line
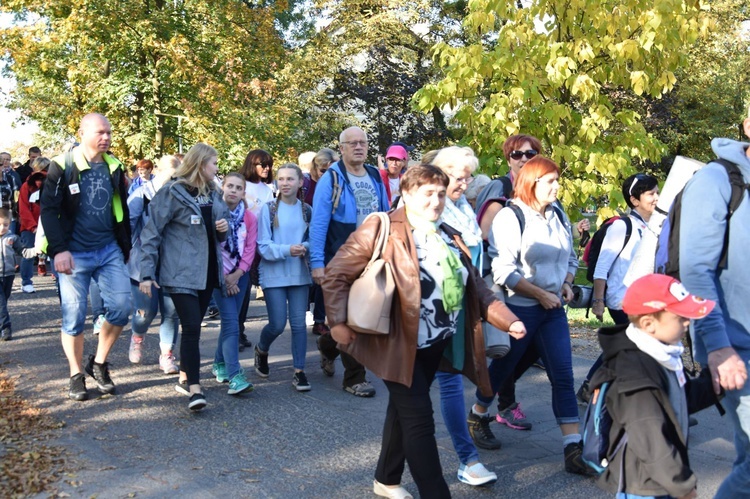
594 246
667 259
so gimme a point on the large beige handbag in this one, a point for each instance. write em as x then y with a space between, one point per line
371 295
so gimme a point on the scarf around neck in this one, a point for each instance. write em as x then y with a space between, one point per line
669 356
452 284
461 217
232 244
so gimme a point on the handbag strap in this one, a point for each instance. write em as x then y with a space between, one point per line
383 232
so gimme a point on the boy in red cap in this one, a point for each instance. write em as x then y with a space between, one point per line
650 396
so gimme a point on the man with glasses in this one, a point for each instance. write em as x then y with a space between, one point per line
396 161
344 196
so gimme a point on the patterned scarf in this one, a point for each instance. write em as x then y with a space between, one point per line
231 244
452 285
461 217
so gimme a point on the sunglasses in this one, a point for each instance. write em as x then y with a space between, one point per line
263 165
530 153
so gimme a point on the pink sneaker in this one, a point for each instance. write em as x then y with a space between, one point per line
513 417
168 364
136 349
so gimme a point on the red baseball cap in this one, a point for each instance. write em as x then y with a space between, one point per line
656 292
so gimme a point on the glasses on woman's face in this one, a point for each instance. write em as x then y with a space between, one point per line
529 153
462 180
263 165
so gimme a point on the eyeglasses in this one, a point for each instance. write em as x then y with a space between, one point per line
462 180
263 165
322 170
529 153
638 177
395 159
355 143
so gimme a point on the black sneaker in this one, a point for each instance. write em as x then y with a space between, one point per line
6 334
212 313
300 382
244 342
479 429
197 402
574 460
182 387
261 363
100 373
77 389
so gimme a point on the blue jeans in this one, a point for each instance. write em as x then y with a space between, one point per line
107 268
144 313
97 305
737 405
453 408
277 301
548 330
227 350
6 286
27 264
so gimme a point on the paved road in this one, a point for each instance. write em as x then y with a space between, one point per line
274 442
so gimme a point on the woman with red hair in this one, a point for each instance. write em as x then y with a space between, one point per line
534 261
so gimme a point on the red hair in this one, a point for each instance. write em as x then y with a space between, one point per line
535 168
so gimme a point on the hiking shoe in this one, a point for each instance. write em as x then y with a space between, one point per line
182 387
261 363
479 429
135 354
197 402
98 324
239 384
77 389
327 365
6 334
219 369
299 381
244 342
364 389
583 395
574 460
513 417
100 373
28 288
212 313
320 328
167 363
476 475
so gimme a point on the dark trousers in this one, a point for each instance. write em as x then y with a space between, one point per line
409 429
190 310
319 308
354 372
6 286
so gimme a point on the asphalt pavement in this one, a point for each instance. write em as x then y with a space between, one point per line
273 442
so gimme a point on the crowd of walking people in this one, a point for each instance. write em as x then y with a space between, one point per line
172 238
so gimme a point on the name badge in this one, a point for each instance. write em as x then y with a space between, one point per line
34 197
74 188
195 220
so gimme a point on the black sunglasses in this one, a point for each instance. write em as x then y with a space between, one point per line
530 153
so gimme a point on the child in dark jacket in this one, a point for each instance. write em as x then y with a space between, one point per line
10 245
650 396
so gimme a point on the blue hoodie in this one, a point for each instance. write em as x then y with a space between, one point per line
702 228
328 231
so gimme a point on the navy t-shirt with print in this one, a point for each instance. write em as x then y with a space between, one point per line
94 227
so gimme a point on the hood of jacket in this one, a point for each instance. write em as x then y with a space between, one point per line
734 151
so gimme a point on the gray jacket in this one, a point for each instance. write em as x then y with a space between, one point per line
172 238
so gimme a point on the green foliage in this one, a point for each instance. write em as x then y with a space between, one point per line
550 70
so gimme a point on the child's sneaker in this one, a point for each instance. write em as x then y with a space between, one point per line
219 369
261 363
513 417
167 363
300 382
135 354
239 384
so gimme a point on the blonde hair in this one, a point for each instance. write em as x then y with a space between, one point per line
289 166
323 159
39 164
450 158
189 172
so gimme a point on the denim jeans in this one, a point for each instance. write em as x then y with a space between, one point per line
278 300
548 330
97 305
144 313
6 286
227 349
27 264
737 405
453 408
107 268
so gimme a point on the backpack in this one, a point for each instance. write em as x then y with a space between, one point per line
594 246
667 259
597 423
522 218
336 188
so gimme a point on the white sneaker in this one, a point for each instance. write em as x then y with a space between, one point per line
309 320
476 475
393 492
28 288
